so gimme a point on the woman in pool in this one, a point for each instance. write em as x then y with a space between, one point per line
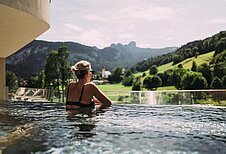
84 93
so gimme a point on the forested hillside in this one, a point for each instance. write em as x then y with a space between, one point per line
215 43
197 65
31 59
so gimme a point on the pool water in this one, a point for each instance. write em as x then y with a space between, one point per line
48 128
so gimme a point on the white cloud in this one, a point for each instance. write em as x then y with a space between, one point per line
92 37
72 27
146 11
94 17
151 23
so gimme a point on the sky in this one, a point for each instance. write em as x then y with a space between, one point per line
150 23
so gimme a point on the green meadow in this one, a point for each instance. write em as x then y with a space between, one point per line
120 87
113 87
187 64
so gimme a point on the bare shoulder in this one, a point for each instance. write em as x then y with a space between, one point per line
91 84
72 84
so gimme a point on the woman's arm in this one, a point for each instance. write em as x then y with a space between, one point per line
101 97
96 101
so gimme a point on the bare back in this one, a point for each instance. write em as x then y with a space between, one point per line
75 93
90 90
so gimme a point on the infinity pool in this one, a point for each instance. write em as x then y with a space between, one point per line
47 128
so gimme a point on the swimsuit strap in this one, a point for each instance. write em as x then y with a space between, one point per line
81 94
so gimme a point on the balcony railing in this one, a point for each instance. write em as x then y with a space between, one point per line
169 97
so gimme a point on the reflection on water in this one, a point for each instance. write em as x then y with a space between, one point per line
83 124
120 129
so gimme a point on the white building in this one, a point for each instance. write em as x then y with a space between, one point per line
105 74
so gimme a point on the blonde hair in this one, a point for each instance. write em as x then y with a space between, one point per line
81 68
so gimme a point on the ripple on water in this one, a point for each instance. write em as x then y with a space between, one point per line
121 129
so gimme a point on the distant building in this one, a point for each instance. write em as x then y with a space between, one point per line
105 74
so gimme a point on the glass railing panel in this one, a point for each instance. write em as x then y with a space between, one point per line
173 97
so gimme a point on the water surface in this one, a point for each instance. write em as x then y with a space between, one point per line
121 129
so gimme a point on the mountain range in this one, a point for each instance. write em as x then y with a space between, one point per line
31 58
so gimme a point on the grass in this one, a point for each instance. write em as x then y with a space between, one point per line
204 58
187 63
120 87
141 73
167 88
211 102
165 67
113 87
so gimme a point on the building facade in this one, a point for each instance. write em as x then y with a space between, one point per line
21 22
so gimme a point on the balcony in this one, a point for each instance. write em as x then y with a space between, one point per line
21 22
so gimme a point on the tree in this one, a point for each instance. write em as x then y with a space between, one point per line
224 82
218 69
51 70
147 83
63 53
206 72
11 81
216 83
128 73
199 82
189 78
34 82
152 82
144 74
157 81
166 77
194 66
42 79
57 70
196 54
116 75
175 77
137 84
219 48
180 66
128 81
153 70
219 65
176 59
